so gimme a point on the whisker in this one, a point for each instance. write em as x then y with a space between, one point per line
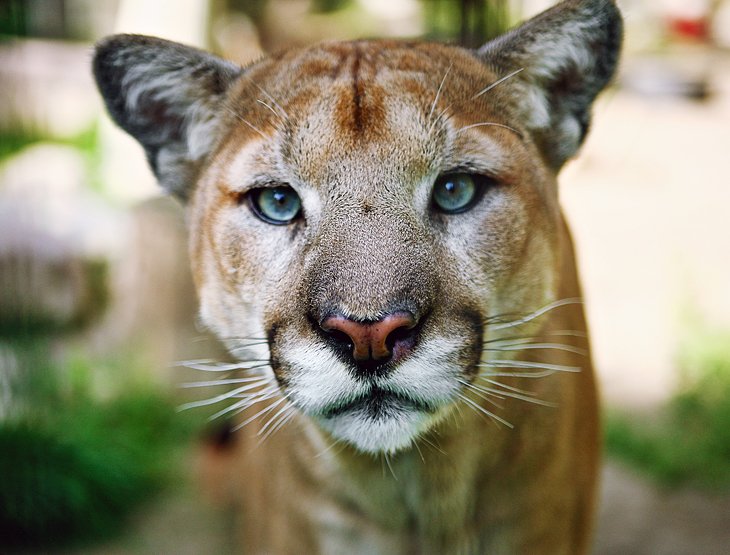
477 407
526 345
282 422
208 365
244 120
386 457
276 114
201 338
418 448
514 393
330 447
478 391
438 92
246 402
543 374
271 98
536 314
265 410
218 398
443 114
211 383
432 445
491 124
523 364
269 423
497 82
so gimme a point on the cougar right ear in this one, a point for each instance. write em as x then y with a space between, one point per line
557 63
168 97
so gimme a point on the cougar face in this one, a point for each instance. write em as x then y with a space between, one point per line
372 296
363 213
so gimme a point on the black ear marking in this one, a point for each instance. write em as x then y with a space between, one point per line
567 54
168 97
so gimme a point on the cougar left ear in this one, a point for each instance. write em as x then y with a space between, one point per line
564 57
168 97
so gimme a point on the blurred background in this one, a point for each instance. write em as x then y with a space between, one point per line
97 309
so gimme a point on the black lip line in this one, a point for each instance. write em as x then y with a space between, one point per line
336 410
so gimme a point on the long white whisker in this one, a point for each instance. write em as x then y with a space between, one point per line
218 398
497 82
257 379
258 340
276 114
526 345
211 366
543 374
439 118
272 99
438 92
539 312
513 392
272 419
432 444
479 392
479 408
515 338
390 467
263 411
247 401
523 364
281 423
244 120
490 124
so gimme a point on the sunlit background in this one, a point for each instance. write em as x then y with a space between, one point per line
97 308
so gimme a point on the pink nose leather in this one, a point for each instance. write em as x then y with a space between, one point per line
370 339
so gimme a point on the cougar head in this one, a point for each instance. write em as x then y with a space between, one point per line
361 213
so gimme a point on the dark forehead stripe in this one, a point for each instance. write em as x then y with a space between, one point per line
360 101
357 90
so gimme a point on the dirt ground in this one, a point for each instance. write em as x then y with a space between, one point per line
634 518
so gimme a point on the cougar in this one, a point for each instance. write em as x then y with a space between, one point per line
375 235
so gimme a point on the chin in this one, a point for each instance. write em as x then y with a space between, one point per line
388 431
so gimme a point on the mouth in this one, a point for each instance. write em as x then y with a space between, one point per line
379 403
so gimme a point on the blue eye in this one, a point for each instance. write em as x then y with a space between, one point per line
456 192
276 205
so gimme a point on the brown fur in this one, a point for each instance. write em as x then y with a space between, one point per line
361 131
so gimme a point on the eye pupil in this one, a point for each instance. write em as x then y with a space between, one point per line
275 205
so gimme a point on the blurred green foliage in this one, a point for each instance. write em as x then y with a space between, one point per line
688 443
72 465
14 140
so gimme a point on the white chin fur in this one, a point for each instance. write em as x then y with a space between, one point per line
382 434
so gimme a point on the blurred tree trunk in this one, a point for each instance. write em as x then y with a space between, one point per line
471 23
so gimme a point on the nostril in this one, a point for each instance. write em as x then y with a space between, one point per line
339 337
379 341
401 340
349 333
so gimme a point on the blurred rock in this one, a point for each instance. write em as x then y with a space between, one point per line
56 238
46 87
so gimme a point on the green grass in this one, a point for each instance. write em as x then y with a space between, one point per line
688 442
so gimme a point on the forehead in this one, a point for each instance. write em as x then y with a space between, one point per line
337 109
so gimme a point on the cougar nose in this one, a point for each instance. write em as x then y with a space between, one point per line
375 341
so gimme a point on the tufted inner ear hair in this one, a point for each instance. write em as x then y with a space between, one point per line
167 96
559 60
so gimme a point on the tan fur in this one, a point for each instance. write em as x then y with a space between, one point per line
361 130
